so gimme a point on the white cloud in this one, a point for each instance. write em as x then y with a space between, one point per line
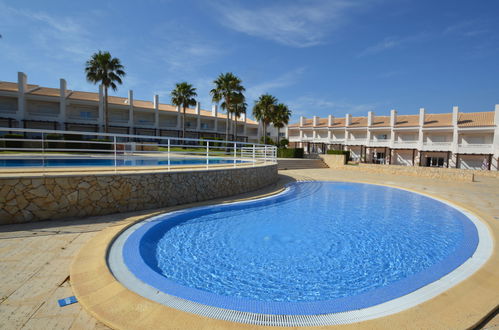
302 24
391 43
287 79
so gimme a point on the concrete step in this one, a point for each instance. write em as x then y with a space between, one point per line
299 163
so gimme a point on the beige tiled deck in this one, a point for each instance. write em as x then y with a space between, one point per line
35 260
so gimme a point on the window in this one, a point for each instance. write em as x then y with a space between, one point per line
379 158
382 137
86 114
435 161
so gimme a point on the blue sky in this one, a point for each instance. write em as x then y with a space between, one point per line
318 56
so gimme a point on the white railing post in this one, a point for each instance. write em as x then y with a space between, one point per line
207 154
254 156
115 154
235 153
43 151
265 154
168 154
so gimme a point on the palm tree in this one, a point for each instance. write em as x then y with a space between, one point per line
107 70
281 118
227 87
263 110
238 108
183 96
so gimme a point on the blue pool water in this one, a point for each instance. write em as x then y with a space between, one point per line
318 248
63 162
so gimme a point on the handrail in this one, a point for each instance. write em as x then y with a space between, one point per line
132 146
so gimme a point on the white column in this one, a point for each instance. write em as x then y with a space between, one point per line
302 121
348 121
62 103
370 117
496 139
315 120
156 111
330 120
422 113
22 85
455 137
393 122
214 113
100 119
198 116
130 111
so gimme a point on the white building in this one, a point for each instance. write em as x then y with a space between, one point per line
23 105
458 140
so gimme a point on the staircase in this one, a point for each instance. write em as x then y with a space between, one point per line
299 163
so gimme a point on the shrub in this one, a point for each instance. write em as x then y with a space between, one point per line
267 140
55 144
290 153
283 143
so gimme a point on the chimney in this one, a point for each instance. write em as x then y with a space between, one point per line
393 117
421 116
198 108
302 121
348 119
214 110
330 120
22 82
63 87
156 101
455 115
370 118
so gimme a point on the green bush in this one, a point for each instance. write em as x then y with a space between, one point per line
14 144
55 144
290 153
267 140
74 145
283 143
339 152
98 146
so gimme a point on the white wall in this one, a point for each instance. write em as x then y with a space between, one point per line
402 157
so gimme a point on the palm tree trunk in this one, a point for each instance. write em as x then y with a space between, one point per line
106 114
235 127
264 133
277 142
183 123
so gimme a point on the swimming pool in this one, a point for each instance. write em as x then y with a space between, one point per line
133 161
317 249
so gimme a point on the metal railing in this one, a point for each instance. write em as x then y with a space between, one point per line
56 149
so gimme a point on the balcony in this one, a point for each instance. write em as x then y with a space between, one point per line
406 144
357 142
437 146
479 148
379 143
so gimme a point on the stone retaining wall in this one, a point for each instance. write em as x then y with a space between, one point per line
334 161
448 174
35 198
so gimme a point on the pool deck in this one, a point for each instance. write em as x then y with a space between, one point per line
36 258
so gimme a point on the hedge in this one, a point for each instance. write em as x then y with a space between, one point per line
290 152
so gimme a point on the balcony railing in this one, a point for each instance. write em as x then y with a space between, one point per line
437 146
379 142
357 142
476 148
409 144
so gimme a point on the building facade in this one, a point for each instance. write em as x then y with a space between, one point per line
456 139
23 105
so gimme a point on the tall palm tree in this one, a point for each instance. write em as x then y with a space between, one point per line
227 86
238 108
263 110
107 70
281 118
183 96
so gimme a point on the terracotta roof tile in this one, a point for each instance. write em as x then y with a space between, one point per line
407 121
438 120
322 122
86 96
117 100
44 91
358 122
381 121
476 119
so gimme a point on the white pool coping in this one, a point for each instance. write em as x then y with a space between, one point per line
482 253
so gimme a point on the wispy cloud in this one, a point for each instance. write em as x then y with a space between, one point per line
302 24
470 28
316 106
392 42
287 79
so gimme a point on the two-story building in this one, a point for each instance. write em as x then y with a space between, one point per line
24 105
456 139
